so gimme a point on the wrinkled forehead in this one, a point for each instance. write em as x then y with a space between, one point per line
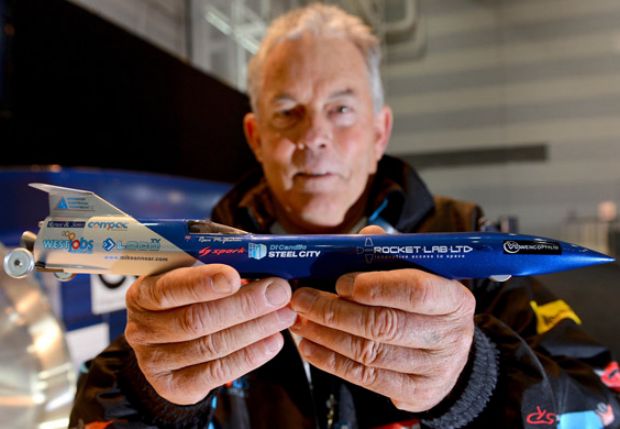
308 67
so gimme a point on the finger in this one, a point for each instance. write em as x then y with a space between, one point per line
407 289
197 320
372 230
414 407
382 324
183 286
372 353
385 382
189 385
173 356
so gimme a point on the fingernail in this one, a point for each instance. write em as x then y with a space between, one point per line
303 300
286 315
345 285
276 294
221 283
272 344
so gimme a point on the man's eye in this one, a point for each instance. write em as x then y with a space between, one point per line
342 115
285 117
285 113
290 113
341 110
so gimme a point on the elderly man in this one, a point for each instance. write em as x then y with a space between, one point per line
380 349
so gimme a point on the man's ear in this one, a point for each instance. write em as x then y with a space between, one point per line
252 135
383 130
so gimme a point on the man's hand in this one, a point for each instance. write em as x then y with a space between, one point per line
194 329
405 334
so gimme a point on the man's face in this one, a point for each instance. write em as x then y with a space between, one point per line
315 133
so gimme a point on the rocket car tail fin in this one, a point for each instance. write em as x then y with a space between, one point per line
76 203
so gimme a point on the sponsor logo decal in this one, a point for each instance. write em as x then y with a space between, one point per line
550 314
440 251
73 244
109 226
149 246
531 247
153 246
291 251
74 203
281 251
257 251
57 244
146 246
65 224
62 204
294 254
221 251
208 238
143 258
109 244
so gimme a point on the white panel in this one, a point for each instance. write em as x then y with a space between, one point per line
86 343
108 294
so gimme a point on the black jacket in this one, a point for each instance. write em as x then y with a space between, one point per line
531 364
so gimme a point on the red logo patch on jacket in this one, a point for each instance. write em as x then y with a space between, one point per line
409 424
541 417
99 425
611 376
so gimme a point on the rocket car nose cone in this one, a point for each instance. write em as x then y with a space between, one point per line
589 256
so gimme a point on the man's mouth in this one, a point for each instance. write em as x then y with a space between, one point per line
313 175
315 179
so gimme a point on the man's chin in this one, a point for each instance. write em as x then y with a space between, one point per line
321 214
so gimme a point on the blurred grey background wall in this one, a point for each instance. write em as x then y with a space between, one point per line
514 104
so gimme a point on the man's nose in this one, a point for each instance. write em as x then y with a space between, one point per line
316 133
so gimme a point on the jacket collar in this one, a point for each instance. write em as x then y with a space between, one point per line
399 195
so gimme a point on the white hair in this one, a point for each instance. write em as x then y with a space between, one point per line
320 20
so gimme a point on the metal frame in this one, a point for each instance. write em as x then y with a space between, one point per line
224 34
